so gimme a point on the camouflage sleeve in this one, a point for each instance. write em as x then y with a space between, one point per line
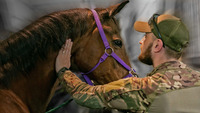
126 94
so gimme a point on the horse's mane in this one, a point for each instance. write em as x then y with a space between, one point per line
20 51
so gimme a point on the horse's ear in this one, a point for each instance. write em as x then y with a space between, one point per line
113 10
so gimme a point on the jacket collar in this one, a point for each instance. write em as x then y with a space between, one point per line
167 65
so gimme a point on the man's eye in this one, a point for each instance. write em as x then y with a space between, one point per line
118 43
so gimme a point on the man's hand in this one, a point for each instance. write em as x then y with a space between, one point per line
63 58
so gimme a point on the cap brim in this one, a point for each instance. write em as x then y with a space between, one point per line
142 26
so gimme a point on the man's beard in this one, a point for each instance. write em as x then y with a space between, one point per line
146 57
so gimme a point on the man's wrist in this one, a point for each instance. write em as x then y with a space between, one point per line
62 70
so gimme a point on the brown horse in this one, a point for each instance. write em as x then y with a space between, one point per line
27 58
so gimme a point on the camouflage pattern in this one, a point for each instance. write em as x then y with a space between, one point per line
133 94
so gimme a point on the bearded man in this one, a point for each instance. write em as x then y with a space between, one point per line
171 87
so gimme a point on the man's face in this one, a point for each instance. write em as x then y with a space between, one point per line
146 45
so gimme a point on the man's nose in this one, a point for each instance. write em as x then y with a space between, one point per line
142 40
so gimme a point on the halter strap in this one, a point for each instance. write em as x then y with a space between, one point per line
105 55
100 28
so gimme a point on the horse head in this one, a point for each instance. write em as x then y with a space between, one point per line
27 58
88 49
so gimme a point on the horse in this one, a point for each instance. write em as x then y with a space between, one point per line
27 58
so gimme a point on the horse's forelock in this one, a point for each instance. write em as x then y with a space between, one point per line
21 50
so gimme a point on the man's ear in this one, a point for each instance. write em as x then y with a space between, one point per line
157 45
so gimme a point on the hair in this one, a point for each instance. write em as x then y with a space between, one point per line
20 51
172 53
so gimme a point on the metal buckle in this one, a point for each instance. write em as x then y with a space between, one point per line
109 52
133 73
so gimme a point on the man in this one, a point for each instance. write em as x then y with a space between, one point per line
164 41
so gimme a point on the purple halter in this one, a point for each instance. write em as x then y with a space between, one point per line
105 55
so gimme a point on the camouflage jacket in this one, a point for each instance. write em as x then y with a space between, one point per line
134 94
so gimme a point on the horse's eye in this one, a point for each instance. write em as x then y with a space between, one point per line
118 43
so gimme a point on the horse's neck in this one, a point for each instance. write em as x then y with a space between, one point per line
37 89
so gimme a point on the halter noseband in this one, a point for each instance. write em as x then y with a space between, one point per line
105 55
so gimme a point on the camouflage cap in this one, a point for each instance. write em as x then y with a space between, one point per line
170 29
